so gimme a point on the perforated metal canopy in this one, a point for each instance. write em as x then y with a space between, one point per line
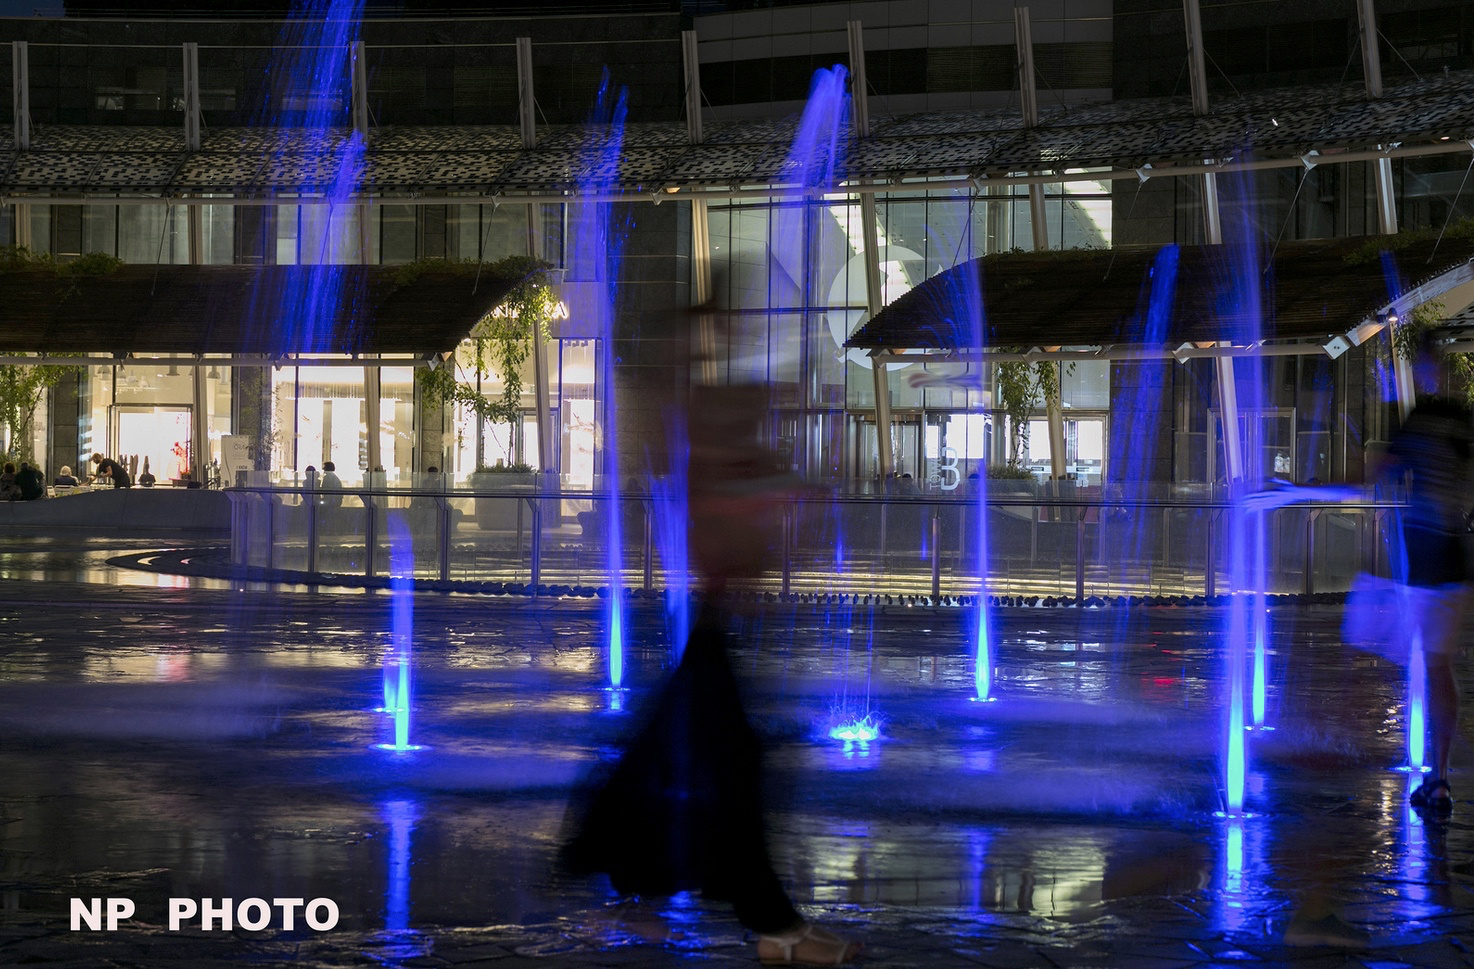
1277 126
1312 290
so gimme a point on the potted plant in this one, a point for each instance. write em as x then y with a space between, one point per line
501 514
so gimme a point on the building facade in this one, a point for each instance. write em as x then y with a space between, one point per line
788 269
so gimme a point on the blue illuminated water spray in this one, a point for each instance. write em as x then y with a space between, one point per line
670 507
398 661
594 256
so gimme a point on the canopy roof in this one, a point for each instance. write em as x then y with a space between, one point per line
1309 290
1261 129
245 311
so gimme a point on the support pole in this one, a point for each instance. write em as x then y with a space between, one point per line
20 91
191 97
541 384
371 417
359 68
526 105
1371 63
1228 398
1371 52
874 293
701 273
1023 40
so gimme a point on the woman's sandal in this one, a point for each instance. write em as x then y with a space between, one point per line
806 945
1435 796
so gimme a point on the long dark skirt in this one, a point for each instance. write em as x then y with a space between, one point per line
682 810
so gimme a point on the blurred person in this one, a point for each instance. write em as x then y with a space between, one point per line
1430 453
65 478
683 809
8 489
330 483
30 482
1432 450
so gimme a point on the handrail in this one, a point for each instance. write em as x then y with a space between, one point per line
884 509
967 501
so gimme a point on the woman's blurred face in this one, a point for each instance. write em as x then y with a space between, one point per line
736 500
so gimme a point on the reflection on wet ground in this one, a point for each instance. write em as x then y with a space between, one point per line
186 739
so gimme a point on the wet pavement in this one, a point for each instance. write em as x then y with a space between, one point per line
173 737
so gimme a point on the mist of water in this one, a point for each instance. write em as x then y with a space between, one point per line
594 255
671 509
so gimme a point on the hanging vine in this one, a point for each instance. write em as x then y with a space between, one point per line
500 343
1409 334
1022 386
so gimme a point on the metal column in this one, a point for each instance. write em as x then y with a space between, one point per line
1371 63
526 105
191 97
541 385
1228 398
1023 39
195 229
874 296
359 68
371 418
20 89
701 276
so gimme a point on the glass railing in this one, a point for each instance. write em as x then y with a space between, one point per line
831 544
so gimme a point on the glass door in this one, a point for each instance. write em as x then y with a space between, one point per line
155 438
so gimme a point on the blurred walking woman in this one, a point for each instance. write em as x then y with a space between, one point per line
683 808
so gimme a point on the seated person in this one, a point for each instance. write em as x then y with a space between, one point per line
8 489
65 479
147 479
30 482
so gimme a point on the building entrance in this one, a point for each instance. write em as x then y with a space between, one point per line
155 437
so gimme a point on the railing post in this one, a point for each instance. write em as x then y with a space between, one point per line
1080 555
1310 550
649 546
240 521
1210 579
787 558
1379 527
370 535
442 525
536 565
936 552
270 531
310 498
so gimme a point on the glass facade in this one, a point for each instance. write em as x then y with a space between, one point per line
792 276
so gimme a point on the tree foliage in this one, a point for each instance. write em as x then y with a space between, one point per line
1022 386
22 386
500 343
1408 334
